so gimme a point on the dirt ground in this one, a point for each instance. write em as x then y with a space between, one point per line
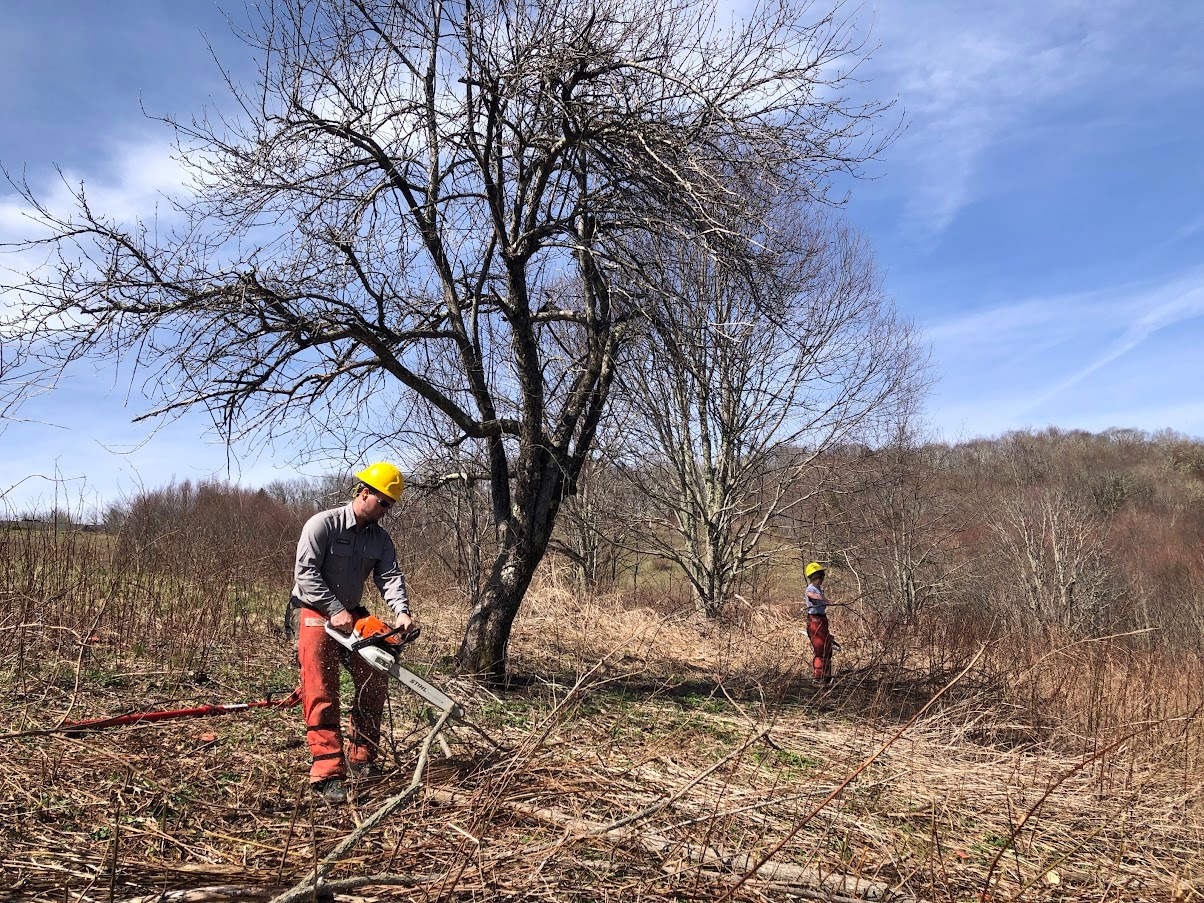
633 755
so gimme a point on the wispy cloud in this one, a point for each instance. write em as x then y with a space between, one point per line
1182 417
1067 359
1191 228
1015 322
1148 313
974 76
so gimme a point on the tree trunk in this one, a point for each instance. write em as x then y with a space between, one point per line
483 649
542 479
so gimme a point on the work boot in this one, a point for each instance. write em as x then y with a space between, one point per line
365 771
333 790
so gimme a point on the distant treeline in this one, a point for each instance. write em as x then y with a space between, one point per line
1088 533
50 523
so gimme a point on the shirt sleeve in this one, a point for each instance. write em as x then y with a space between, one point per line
817 602
312 588
390 580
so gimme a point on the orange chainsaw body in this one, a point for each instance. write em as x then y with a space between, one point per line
372 627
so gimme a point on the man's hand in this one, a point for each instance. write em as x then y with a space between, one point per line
343 622
403 622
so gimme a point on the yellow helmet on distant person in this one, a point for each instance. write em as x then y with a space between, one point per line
383 477
812 569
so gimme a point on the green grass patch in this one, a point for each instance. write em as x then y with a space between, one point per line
786 761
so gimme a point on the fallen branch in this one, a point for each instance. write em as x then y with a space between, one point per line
790 889
205 895
308 886
758 867
222 893
697 854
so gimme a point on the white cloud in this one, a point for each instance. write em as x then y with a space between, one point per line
129 181
1070 359
133 181
973 76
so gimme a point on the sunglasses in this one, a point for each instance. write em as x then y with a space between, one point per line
381 500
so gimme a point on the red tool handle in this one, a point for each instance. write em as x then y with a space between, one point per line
72 727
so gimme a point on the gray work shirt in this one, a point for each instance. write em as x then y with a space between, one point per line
335 557
817 602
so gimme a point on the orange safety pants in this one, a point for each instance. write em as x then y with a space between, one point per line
821 645
319 656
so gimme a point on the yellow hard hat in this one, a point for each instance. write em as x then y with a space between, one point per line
813 568
383 477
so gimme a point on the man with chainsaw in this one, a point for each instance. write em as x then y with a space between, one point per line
337 552
822 643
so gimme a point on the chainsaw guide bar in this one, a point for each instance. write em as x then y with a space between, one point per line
379 647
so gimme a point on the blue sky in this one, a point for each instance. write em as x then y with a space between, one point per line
1041 218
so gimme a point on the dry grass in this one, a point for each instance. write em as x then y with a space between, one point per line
637 754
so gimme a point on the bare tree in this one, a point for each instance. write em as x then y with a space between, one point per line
598 525
454 513
907 528
1054 548
756 372
310 494
430 205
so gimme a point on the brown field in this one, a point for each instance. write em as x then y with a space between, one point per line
638 753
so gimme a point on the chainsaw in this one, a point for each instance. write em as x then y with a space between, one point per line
379 646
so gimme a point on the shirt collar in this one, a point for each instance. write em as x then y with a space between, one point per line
347 516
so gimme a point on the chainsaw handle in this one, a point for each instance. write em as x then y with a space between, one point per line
408 635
